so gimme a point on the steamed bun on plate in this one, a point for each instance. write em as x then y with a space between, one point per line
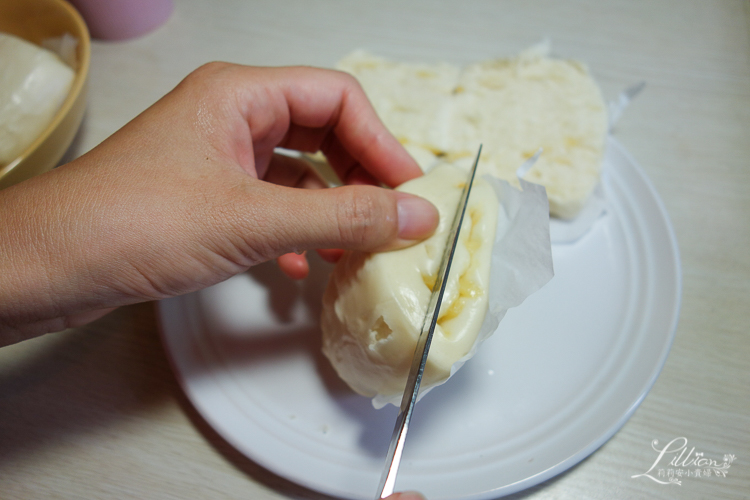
374 305
34 82
513 106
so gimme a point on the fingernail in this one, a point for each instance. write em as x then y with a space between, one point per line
417 217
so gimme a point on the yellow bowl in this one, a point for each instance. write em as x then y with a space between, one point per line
37 20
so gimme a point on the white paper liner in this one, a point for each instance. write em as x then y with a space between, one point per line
564 231
521 262
617 107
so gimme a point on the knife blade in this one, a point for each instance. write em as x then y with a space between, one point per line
396 447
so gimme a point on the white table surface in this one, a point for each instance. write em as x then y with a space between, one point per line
97 412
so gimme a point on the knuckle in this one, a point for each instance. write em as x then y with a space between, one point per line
350 81
348 85
210 69
205 76
364 218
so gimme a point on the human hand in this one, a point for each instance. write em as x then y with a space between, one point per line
190 193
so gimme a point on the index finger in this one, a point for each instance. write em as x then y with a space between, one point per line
328 110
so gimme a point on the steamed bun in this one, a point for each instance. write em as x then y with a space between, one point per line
375 303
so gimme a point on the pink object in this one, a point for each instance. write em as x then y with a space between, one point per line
123 19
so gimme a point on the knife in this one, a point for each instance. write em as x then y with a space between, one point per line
396 448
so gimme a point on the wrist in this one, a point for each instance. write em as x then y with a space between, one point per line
32 261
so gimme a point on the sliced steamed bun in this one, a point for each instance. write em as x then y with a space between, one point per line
514 106
374 304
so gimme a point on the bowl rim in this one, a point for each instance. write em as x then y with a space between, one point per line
79 82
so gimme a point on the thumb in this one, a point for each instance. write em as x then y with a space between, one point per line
365 218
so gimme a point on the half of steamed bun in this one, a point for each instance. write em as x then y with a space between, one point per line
375 303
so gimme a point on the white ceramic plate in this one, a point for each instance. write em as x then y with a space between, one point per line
563 373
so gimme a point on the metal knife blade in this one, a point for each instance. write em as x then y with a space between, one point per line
396 448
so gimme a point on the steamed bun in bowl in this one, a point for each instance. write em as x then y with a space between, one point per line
44 60
34 82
